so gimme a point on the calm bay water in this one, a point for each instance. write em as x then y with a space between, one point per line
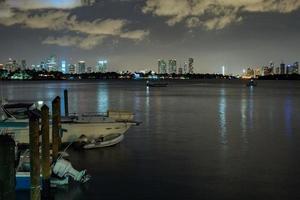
198 139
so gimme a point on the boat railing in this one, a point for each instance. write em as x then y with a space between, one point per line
89 114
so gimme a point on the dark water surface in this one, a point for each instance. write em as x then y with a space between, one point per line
198 139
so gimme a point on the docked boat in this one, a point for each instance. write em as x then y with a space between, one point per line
102 141
156 84
91 126
61 171
251 83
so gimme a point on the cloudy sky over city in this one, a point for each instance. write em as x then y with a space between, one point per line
134 34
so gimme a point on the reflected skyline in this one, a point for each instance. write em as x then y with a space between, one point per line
222 116
102 98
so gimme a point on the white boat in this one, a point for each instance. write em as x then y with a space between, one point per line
105 141
91 126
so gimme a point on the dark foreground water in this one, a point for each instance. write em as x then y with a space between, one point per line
198 139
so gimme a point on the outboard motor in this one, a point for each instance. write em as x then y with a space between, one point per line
64 168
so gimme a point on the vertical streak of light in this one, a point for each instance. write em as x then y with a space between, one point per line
222 116
102 98
251 108
147 105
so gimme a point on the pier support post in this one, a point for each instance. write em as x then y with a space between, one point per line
66 100
7 167
35 193
46 170
56 139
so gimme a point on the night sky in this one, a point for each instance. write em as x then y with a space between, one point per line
134 34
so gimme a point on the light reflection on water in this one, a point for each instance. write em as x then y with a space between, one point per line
222 116
102 98
147 106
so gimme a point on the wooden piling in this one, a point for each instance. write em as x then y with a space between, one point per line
35 192
7 167
46 170
56 139
66 100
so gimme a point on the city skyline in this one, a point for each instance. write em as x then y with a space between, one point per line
170 66
134 34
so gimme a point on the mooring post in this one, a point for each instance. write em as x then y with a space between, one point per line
56 139
46 170
7 167
35 193
66 100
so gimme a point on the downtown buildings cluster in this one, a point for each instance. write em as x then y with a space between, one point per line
171 67
52 64
271 69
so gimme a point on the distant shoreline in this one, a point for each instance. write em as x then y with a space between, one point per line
32 75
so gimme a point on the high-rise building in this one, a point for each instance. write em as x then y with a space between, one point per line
266 70
43 66
249 72
282 68
23 64
272 67
191 65
185 68
72 69
101 66
257 72
51 64
223 70
162 67
172 66
11 65
63 67
81 67
293 69
296 68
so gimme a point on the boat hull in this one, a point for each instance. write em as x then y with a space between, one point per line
72 131
117 138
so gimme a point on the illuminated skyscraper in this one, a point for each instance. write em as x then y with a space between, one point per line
51 64
81 67
162 67
63 67
185 68
172 66
293 69
272 67
266 70
101 66
296 68
43 66
223 70
191 65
